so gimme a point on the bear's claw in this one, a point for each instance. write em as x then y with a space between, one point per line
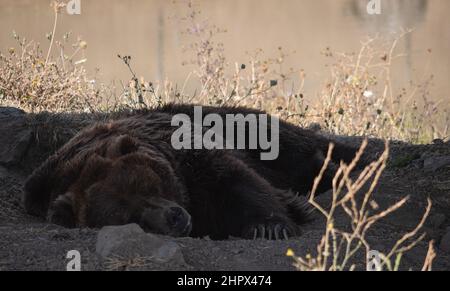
270 232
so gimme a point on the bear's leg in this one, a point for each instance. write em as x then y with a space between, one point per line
230 199
256 209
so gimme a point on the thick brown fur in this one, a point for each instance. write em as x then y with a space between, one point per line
126 171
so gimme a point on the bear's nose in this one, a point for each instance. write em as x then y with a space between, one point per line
175 216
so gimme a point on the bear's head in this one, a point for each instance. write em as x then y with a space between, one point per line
115 182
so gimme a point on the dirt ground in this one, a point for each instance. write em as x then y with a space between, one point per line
27 243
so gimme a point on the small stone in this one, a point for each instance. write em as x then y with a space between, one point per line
237 251
11 112
15 136
130 241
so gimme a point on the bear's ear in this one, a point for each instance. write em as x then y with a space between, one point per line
121 145
38 188
61 211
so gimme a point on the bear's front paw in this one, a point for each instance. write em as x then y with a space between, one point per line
271 231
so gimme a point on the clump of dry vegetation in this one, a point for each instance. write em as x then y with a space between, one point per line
339 246
54 80
360 98
118 263
260 83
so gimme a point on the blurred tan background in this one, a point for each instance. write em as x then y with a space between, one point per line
150 31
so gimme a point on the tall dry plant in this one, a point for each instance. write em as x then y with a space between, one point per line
361 97
338 246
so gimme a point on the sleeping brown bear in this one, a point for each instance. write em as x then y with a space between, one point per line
127 171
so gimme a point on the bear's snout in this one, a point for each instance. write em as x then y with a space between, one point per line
179 220
176 216
173 220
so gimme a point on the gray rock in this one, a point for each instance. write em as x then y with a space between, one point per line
445 242
11 112
15 136
433 164
130 241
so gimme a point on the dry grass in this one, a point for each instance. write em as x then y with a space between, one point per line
338 247
122 264
54 80
360 98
